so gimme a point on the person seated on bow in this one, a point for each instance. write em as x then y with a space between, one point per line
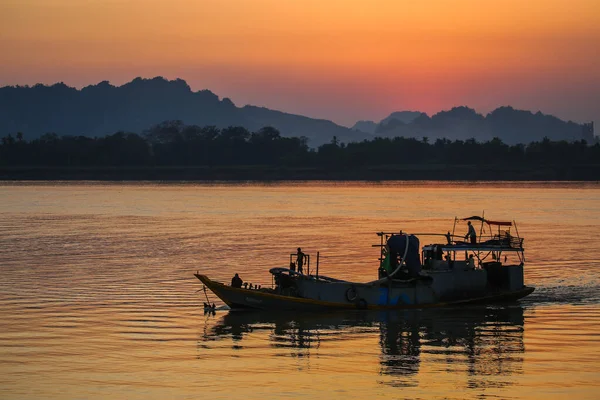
236 281
471 262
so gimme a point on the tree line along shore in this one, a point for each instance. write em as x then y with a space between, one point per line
174 151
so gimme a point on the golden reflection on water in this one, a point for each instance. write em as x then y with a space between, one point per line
98 300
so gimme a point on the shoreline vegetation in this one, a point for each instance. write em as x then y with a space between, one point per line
172 151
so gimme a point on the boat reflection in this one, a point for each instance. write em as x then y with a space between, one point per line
488 341
481 341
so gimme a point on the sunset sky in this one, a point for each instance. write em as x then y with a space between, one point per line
343 60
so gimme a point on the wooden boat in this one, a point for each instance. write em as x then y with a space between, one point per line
409 277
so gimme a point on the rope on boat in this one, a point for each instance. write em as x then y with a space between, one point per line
207 306
206 294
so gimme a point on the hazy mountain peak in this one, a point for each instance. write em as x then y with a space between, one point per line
460 112
56 87
365 126
404 116
159 82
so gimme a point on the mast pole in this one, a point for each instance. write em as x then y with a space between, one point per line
454 227
317 265
481 227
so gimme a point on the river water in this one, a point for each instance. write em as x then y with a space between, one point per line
98 298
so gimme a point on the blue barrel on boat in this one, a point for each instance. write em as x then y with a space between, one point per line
397 244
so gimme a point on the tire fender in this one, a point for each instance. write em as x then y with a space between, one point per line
351 294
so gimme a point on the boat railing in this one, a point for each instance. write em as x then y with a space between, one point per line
506 239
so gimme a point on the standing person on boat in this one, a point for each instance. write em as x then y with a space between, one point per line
471 234
236 281
300 260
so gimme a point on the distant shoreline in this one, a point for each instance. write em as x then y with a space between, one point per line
269 173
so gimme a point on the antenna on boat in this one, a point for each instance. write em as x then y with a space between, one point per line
481 231
454 227
317 265
521 255
481 227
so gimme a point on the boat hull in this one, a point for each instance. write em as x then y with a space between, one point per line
263 300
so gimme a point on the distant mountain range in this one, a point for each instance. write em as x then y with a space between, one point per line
102 109
461 123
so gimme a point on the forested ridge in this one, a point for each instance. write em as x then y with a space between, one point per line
174 144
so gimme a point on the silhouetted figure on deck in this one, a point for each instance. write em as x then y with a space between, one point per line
471 234
236 281
300 260
471 262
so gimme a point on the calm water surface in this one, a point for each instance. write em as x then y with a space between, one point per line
98 298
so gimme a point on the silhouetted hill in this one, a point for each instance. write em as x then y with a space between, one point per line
510 125
404 116
365 126
389 123
519 125
318 131
103 109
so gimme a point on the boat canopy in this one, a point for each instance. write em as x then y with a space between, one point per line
487 221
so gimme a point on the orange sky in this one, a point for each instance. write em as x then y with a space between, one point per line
338 59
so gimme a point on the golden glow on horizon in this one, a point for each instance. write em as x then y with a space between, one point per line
380 43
